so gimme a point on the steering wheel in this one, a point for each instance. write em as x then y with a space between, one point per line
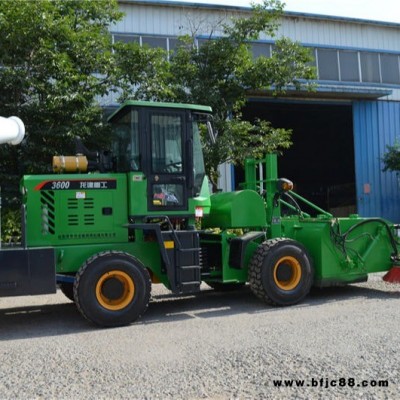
173 167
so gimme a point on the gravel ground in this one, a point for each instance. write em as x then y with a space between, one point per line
208 346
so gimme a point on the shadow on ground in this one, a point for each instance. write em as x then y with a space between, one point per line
63 318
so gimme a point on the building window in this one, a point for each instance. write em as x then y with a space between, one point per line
370 67
349 71
328 68
390 68
260 49
127 38
174 43
313 52
332 64
153 41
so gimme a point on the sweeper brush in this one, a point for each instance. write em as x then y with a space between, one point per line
393 275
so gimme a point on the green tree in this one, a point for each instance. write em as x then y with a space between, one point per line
57 60
141 73
222 72
391 158
49 51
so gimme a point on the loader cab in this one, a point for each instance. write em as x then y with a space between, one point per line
158 145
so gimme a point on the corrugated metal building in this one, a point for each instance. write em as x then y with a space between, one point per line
341 131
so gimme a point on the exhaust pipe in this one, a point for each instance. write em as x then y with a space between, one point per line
12 130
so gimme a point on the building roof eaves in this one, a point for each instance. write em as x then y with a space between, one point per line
293 14
331 91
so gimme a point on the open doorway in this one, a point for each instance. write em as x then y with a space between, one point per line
321 160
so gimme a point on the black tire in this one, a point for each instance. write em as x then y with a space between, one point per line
67 289
281 272
225 287
112 289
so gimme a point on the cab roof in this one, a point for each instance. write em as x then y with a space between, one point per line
182 106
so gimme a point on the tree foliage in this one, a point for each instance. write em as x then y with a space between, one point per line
221 72
391 158
55 58
141 73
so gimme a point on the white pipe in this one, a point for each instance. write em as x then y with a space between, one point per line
12 130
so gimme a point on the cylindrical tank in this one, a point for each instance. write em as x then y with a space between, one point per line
63 164
12 130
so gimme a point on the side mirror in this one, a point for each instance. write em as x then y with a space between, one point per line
211 134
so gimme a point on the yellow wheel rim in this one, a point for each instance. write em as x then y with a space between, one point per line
287 273
115 290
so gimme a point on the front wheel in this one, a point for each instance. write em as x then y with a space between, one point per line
112 289
281 272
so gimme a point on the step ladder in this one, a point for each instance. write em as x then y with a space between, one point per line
184 260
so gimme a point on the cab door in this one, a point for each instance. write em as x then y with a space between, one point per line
167 162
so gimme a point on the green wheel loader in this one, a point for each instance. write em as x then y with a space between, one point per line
107 225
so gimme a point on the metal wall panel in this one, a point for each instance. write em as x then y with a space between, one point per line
173 21
349 34
376 125
308 29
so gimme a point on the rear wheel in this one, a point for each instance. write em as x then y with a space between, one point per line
280 272
112 289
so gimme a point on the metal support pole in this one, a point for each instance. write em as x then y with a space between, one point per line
273 206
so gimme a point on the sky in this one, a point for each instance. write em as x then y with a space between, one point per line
378 10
